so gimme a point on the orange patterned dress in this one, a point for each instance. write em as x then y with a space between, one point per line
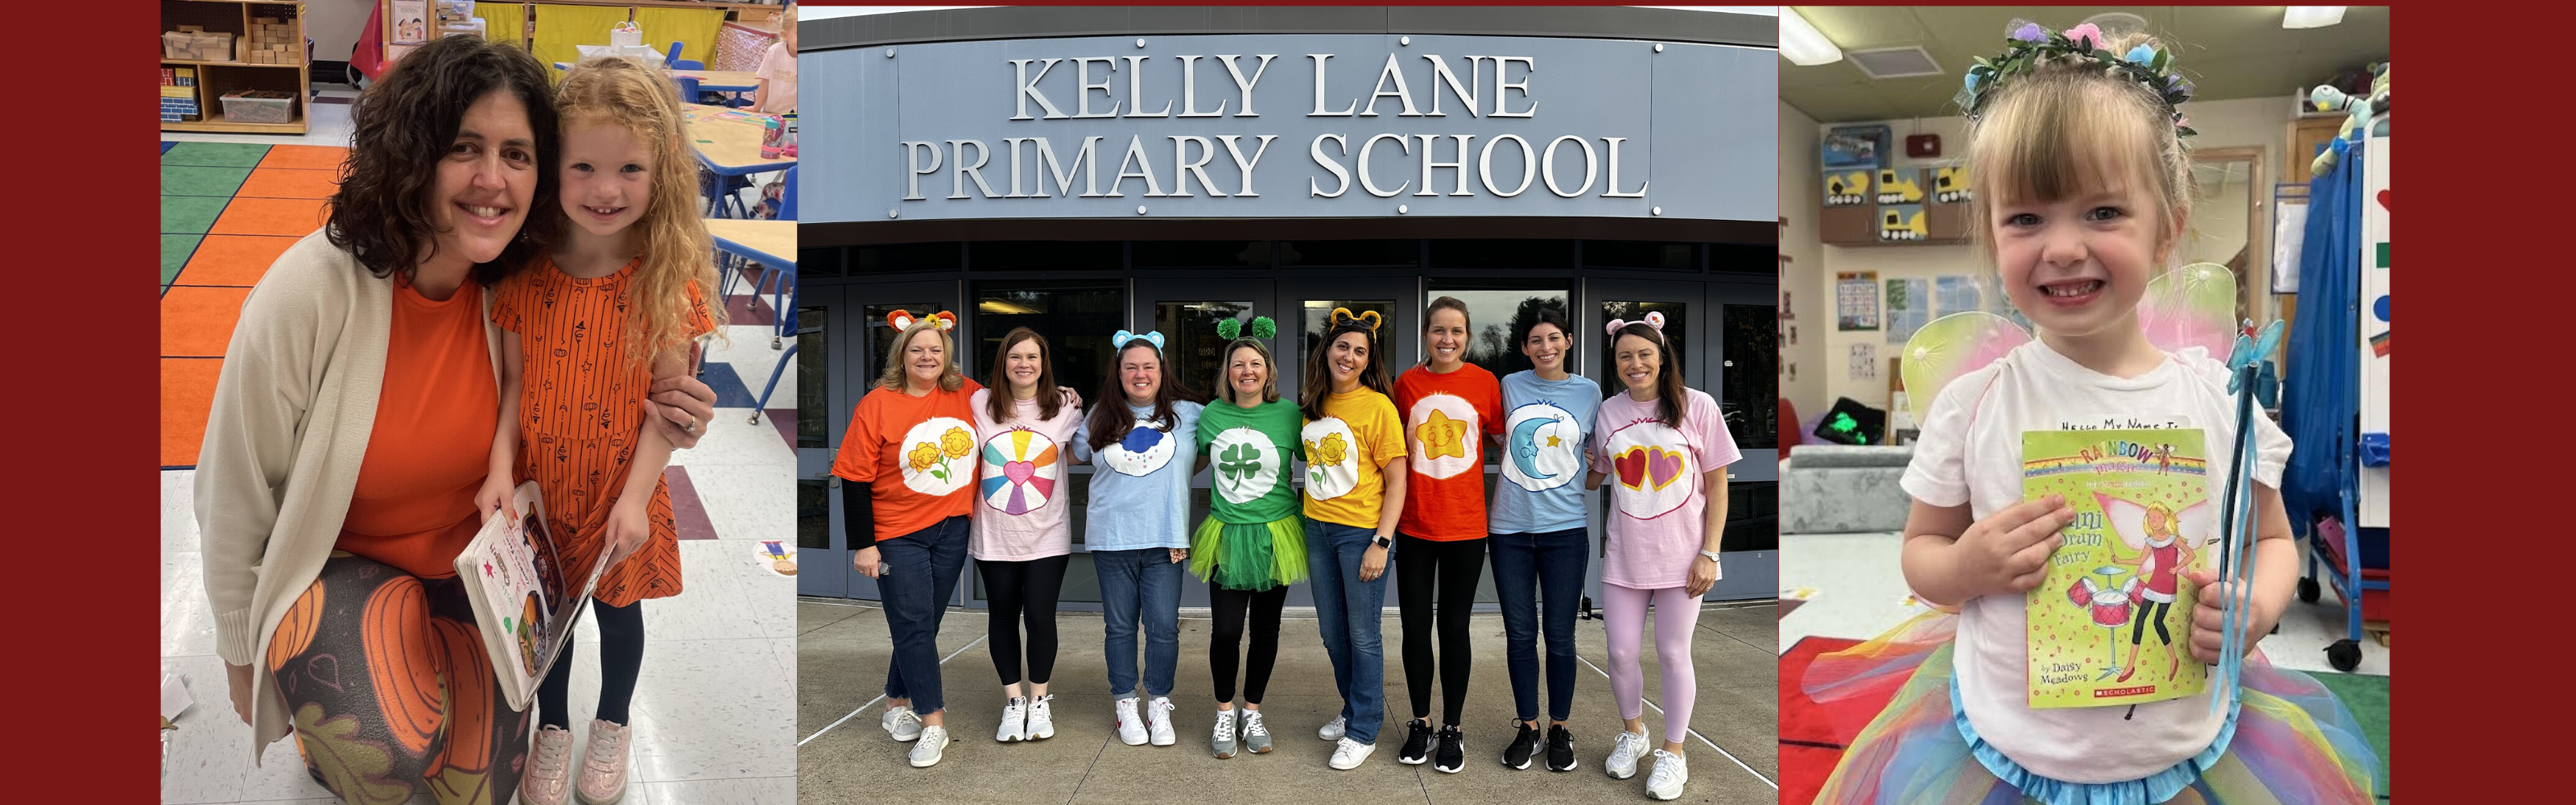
581 416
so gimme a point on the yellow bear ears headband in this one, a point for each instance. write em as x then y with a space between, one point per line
1342 317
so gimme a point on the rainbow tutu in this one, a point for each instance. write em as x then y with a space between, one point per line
2289 742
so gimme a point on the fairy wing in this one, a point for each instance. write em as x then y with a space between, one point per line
2191 306
1950 347
2127 519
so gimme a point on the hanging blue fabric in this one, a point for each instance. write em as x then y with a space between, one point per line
2319 399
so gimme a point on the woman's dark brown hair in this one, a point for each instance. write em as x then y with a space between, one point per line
1110 419
1319 378
1669 391
403 126
999 403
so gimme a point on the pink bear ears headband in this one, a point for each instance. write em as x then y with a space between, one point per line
1654 319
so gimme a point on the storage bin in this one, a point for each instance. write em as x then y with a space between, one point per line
259 106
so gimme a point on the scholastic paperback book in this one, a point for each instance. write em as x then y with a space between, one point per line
2107 626
525 598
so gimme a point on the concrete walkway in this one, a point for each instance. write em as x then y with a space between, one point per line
842 653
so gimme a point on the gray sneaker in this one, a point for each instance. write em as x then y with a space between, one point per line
1256 737
1223 741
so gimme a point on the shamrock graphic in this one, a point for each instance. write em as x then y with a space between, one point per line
1238 463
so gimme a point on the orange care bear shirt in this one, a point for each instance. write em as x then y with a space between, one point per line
916 454
1446 420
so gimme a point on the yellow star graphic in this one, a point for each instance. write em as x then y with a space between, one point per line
1552 440
1442 436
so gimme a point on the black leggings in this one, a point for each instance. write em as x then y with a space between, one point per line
1231 606
621 657
2161 608
1451 569
1023 591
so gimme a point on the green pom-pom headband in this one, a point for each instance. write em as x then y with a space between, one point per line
2032 44
1262 328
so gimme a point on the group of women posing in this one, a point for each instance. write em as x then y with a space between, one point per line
939 468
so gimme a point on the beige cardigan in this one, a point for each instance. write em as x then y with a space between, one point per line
292 412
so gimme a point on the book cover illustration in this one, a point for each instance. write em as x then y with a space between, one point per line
2107 626
524 597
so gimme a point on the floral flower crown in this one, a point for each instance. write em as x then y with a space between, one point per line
2031 45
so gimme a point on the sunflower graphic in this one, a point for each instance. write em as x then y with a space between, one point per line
923 455
1329 453
957 442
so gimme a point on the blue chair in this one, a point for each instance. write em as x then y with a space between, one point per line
787 197
671 59
685 64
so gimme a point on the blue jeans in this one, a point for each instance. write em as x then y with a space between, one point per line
925 565
1528 568
1140 584
1348 611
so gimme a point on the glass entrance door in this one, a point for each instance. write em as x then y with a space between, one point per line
1186 312
1745 378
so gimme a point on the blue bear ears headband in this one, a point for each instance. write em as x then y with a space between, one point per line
1262 327
1119 340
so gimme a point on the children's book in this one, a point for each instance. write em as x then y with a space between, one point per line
2108 625
526 598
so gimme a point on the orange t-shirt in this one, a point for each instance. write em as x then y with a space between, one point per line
432 441
1446 420
581 416
917 454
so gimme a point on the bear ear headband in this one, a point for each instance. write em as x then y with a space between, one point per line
1654 319
1262 327
1119 340
902 320
1342 317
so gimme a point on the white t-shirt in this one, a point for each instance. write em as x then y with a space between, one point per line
779 67
1970 452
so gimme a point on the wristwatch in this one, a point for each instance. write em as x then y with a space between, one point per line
1712 555
1384 542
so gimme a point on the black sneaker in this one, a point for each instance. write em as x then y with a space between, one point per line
1524 745
1417 743
1560 748
1452 755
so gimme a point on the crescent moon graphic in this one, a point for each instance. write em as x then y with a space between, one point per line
1525 447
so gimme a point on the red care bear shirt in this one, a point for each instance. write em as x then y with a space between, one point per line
1446 420
917 454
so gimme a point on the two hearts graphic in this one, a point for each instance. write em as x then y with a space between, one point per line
1648 468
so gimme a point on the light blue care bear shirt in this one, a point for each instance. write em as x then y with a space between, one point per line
1546 428
1140 485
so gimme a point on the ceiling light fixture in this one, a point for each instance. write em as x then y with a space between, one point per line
2311 16
1803 45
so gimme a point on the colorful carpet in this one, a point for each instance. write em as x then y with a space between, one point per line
227 211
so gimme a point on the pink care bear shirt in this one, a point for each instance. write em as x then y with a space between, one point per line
1022 496
1658 508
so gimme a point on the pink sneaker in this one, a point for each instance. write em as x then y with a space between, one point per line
549 777
603 766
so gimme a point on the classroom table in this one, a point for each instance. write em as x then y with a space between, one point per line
769 243
708 80
728 141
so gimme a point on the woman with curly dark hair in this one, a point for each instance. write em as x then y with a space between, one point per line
351 428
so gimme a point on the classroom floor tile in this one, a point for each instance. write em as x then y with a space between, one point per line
187 389
187 180
270 216
290 183
231 155
312 157
198 322
235 260
175 252
189 215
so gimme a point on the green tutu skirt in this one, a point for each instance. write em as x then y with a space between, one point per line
1250 556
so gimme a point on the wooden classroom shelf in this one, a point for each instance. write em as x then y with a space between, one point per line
214 78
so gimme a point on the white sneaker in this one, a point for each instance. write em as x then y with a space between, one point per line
1158 717
1350 753
1131 729
1670 774
1332 730
1015 721
1041 719
1222 743
1624 752
901 723
925 752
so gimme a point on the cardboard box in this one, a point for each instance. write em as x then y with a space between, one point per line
197 46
